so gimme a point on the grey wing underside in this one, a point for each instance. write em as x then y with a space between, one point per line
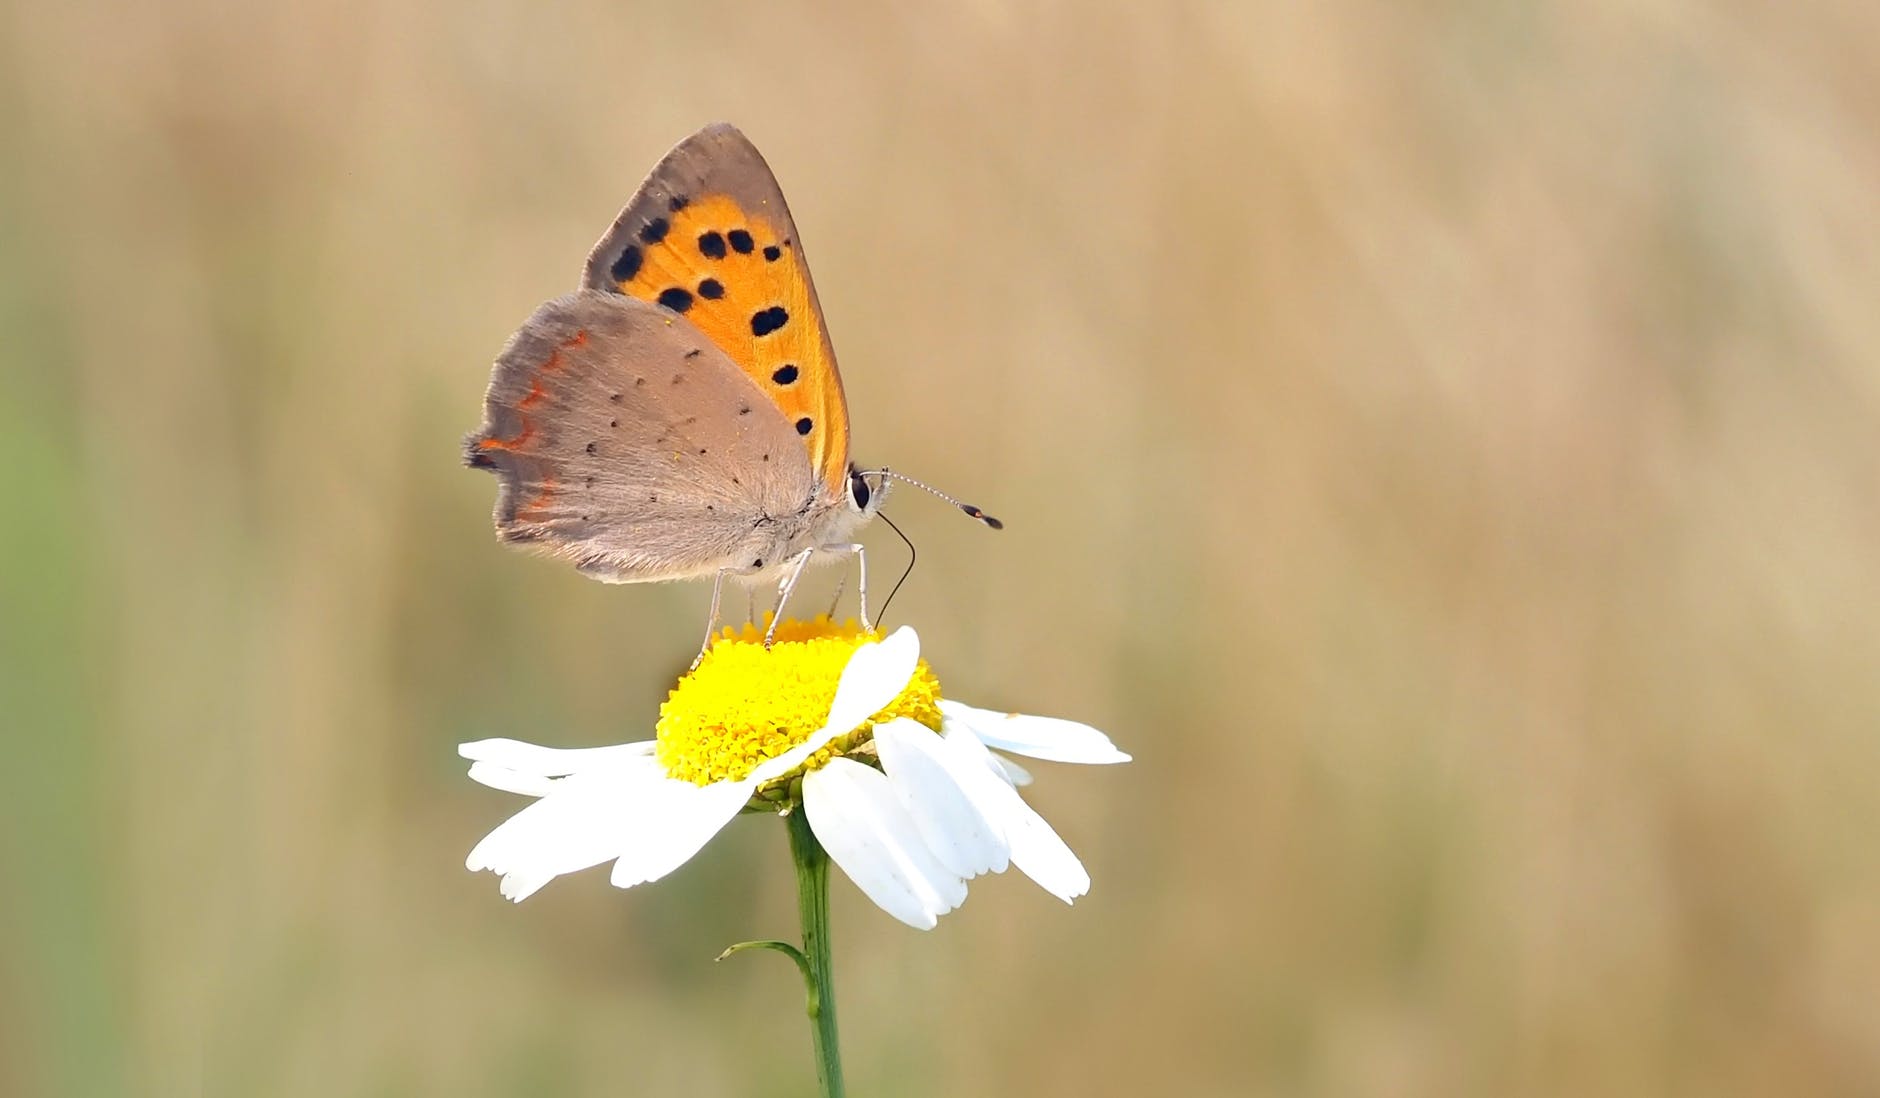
627 443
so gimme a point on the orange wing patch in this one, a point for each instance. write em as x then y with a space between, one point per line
742 283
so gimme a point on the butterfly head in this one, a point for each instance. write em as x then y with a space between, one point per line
865 498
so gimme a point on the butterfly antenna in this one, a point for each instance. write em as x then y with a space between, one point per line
913 555
971 511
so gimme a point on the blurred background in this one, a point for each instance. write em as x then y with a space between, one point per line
1438 439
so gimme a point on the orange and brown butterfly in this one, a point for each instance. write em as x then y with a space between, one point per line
681 415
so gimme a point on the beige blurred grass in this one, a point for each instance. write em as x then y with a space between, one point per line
1438 440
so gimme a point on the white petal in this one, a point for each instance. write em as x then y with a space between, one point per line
1013 773
876 674
517 887
674 820
548 762
860 822
1037 850
954 827
586 820
1046 738
1040 854
511 781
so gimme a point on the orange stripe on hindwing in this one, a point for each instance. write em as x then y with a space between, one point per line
538 503
538 391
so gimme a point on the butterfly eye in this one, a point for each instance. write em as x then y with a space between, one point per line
858 490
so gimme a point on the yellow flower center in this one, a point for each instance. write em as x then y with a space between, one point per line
745 703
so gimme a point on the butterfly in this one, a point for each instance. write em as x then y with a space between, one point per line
681 415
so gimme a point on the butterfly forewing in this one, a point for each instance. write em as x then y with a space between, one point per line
629 444
709 238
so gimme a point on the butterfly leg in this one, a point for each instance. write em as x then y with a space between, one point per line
711 619
797 563
861 584
861 567
842 581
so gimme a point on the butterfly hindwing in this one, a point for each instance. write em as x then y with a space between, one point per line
708 237
630 445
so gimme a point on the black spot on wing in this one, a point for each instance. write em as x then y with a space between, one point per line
772 253
627 265
741 241
711 245
654 231
711 289
678 299
766 321
804 426
678 202
785 375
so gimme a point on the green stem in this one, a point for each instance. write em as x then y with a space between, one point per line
812 892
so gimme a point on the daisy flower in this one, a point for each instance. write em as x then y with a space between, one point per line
902 788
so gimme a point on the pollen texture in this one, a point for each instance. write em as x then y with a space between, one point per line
745 703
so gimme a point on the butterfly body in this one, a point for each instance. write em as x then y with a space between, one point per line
681 415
